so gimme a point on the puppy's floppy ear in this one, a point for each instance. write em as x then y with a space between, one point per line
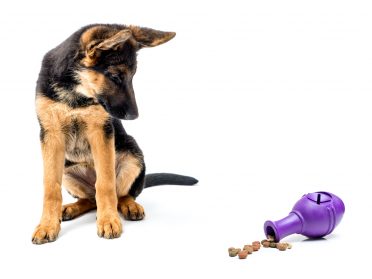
147 37
95 48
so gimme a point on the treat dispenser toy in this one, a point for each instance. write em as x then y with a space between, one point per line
314 215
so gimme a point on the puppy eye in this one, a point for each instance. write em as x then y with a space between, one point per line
115 78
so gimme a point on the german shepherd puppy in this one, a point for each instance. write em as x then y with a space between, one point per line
84 88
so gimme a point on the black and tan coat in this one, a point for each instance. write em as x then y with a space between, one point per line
84 88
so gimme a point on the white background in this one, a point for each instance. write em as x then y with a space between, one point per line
262 101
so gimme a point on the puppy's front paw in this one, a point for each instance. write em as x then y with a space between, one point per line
45 233
109 225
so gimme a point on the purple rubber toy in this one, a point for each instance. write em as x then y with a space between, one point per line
314 215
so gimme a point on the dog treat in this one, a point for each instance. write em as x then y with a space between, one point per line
236 251
281 246
272 245
256 245
270 242
243 254
270 238
248 248
233 252
256 248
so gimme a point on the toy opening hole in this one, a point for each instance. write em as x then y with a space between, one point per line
270 231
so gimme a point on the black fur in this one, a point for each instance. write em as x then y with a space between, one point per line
59 65
156 179
74 128
127 55
58 73
138 184
108 128
68 163
42 131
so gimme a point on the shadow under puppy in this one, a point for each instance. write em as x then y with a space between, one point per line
84 88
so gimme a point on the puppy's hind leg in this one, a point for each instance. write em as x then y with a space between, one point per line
79 182
73 210
129 183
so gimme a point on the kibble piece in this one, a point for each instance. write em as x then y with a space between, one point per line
243 254
272 244
281 246
234 252
248 248
270 238
256 247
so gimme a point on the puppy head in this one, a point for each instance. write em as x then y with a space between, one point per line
108 64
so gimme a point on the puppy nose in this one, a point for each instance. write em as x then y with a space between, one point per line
130 116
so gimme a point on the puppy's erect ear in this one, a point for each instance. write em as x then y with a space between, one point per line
95 48
147 37
118 39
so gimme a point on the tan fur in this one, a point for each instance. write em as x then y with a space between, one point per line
118 69
54 116
113 41
128 168
103 151
130 209
157 37
87 37
73 210
79 181
53 156
108 39
86 41
79 130
159 41
78 142
91 83
88 61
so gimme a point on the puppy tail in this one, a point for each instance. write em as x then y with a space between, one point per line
155 179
